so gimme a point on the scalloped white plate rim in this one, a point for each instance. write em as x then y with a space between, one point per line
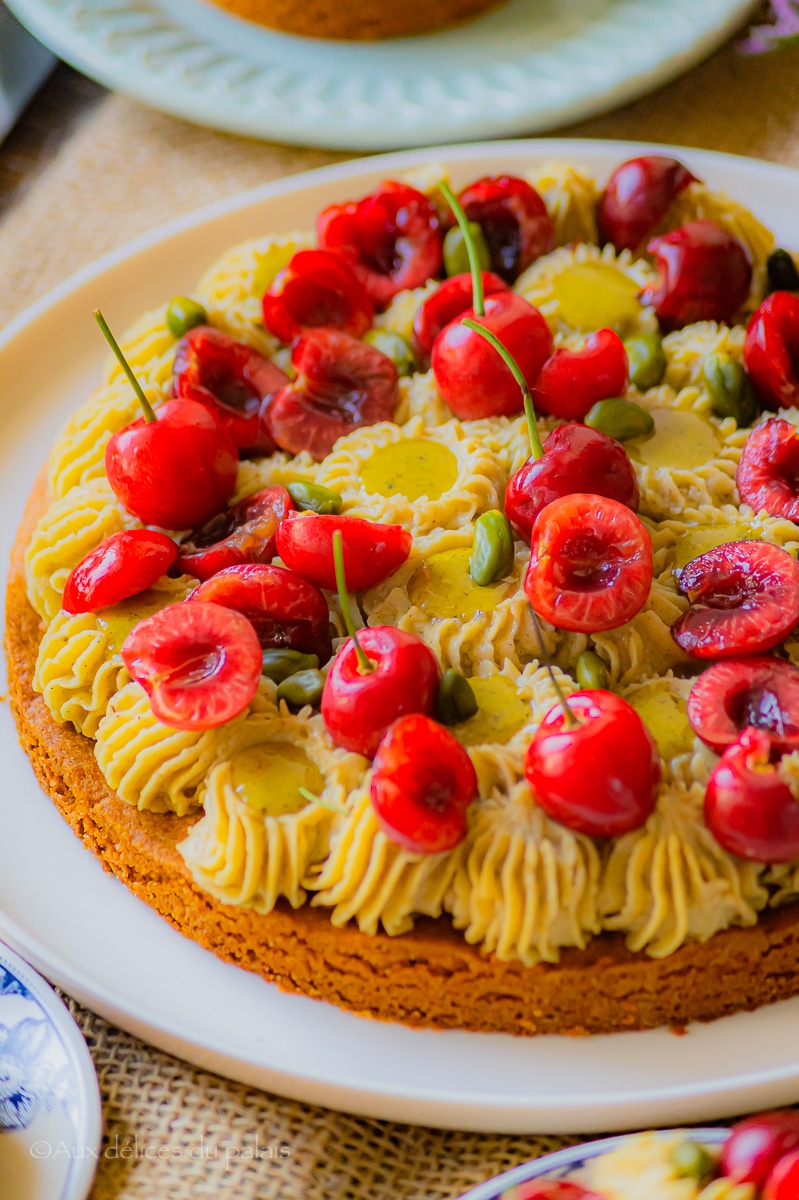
126 963
90 1113
553 71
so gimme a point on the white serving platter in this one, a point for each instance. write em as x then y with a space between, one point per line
86 932
522 68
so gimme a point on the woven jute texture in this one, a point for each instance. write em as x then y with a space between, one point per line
173 1132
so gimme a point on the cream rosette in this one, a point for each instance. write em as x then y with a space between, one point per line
149 347
260 838
581 289
423 479
571 196
72 526
676 542
401 312
432 595
643 646
156 767
670 881
231 289
686 350
661 703
79 664
420 399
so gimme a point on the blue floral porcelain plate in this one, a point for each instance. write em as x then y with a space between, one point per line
50 1114
563 1162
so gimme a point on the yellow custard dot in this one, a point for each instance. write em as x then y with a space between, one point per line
412 468
681 441
119 620
596 296
706 537
664 714
443 587
269 777
501 712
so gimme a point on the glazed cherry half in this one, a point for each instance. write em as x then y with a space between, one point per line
749 808
575 459
744 600
200 664
513 219
705 273
756 1145
572 381
372 551
452 299
638 195
316 288
771 351
423 782
590 564
233 380
594 767
732 695
391 238
242 534
341 384
123 565
768 473
358 706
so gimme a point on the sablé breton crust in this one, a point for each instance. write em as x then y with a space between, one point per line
356 20
429 977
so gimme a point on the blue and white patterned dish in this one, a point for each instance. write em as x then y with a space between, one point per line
50 1114
563 1162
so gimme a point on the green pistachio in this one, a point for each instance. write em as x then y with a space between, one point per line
279 664
394 346
184 314
301 688
729 389
492 549
314 497
455 701
456 258
691 1160
783 275
647 360
592 672
620 419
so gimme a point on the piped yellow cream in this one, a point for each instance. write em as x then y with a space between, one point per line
663 712
411 468
442 586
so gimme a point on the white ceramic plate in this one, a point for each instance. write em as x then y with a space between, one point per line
528 66
112 952
50 1116
24 64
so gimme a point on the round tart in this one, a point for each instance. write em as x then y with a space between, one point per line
424 689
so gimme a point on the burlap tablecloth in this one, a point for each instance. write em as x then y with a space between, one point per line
122 170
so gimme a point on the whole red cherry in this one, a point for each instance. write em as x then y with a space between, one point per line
316 288
176 471
284 609
768 473
783 1182
423 782
638 195
595 768
749 810
756 1145
590 564
200 664
233 380
705 273
575 459
372 551
452 299
514 220
123 565
744 600
342 384
740 692
572 381
771 351
358 706
242 534
391 238
472 378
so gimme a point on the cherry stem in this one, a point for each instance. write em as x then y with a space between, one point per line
571 719
364 663
478 294
312 798
537 450
147 407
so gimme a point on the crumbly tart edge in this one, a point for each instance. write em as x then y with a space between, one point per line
436 979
